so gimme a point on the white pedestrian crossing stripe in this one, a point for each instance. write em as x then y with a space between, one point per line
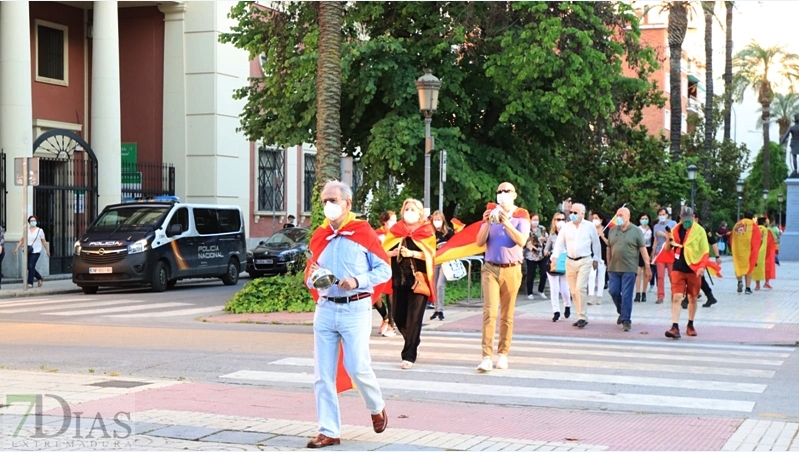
109 307
591 374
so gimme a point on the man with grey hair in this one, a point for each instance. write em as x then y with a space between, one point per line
578 239
624 245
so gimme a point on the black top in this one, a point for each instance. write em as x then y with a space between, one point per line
711 239
603 245
680 264
441 237
401 271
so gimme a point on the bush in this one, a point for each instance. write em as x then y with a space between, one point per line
458 290
274 294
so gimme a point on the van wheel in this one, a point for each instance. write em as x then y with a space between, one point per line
231 276
89 290
172 283
160 277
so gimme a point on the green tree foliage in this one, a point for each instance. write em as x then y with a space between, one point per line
753 185
534 93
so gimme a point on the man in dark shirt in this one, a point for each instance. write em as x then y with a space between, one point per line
289 223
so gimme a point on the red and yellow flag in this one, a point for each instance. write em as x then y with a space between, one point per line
424 237
464 243
696 249
745 240
457 225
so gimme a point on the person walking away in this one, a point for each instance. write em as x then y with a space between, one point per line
2 251
411 244
596 278
745 243
688 243
534 257
713 242
776 233
383 304
443 234
504 232
578 238
626 246
640 280
558 285
664 266
764 270
723 237
37 242
351 251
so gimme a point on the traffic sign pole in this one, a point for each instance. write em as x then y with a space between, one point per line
25 223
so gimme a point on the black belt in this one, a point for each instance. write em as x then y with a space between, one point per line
512 264
578 258
358 296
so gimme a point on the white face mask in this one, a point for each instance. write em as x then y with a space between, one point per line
333 211
535 223
559 225
597 222
411 216
391 222
505 199
437 223
662 218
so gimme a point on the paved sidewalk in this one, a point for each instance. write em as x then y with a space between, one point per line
55 284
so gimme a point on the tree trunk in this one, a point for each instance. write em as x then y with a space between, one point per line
709 128
328 93
677 27
766 146
784 125
728 73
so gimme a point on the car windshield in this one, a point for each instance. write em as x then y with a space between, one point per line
287 238
130 218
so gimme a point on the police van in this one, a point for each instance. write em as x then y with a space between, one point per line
159 242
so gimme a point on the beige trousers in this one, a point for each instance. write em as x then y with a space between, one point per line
577 273
500 288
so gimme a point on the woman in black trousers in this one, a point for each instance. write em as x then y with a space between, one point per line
535 259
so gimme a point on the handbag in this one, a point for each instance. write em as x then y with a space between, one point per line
453 270
420 286
560 264
30 247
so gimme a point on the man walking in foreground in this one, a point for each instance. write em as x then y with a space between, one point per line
624 245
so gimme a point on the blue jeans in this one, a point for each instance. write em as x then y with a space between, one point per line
351 323
33 258
621 287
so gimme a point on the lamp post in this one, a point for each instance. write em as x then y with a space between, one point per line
427 86
765 197
739 187
779 201
692 170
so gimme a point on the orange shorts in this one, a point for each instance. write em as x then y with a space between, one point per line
686 283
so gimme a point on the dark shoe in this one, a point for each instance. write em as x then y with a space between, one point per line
710 302
322 441
567 312
748 291
625 326
673 333
740 286
41 281
580 323
659 301
556 316
380 421
618 320
441 315
690 330
434 316
685 303
643 298
637 297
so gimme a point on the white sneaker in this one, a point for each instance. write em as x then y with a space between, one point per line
598 300
406 365
530 297
389 332
485 365
383 328
541 294
502 362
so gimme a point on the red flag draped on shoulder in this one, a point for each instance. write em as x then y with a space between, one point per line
424 237
457 225
464 243
360 232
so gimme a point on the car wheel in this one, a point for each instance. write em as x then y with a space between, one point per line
160 277
231 276
89 290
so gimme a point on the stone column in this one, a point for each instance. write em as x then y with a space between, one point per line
789 241
174 122
16 118
106 116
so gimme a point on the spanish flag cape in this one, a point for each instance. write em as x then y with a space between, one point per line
695 249
745 241
360 232
457 225
765 268
424 237
463 243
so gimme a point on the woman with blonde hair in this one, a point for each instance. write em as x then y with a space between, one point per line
558 285
443 233
411 244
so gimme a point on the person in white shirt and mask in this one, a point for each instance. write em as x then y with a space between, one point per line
579 237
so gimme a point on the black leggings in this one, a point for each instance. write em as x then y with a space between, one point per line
408 309
541 266
384 308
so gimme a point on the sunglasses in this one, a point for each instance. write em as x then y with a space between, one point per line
560 219
575 213
504 191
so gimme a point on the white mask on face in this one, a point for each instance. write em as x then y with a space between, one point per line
535 223
597 222
411 216
333 211
505 199
391 222
437 223
559 225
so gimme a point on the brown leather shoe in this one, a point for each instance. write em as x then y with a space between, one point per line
380 421
673 333
322 441
689 330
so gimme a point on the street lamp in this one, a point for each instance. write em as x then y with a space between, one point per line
739 187
765 197
427 86
692 177
779 201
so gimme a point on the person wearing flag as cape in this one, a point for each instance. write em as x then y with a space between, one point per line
745 242
687 242
351 250
411 244
504 232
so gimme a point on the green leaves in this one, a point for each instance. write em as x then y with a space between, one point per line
274 294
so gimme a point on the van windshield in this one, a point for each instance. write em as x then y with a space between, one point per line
130 218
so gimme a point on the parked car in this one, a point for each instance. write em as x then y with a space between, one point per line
274 255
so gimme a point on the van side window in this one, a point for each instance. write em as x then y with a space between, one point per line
180 217
206 221
229 220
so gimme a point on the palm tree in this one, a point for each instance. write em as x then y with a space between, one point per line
728 71
707 8
783 109
755 68
328 93
677 28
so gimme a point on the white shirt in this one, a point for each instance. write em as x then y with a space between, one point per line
35 239
579 241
